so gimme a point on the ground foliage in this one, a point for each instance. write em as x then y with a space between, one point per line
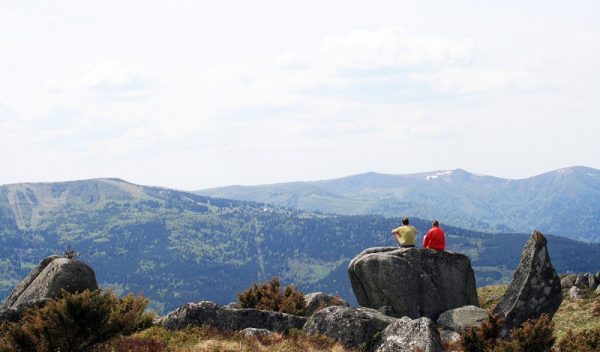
75 322
200 339
532 336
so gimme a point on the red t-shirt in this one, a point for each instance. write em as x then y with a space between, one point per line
435 239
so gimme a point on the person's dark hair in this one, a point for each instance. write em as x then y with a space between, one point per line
404 221
435 223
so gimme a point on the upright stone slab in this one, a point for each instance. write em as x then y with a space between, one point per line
535 288
415 282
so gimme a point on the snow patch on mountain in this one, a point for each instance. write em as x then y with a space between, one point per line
433 177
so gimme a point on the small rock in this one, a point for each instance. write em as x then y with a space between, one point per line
253 332
449 336
598 290
582 281
406 335
460 319
592 281
568 281
319 300
350 326
575 293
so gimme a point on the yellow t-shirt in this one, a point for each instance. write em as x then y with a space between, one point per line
406 235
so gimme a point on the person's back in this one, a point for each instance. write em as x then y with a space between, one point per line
435 238
406 235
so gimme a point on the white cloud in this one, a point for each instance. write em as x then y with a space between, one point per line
391 48
119 81
477 80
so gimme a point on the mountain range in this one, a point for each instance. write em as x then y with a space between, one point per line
177 247
563 202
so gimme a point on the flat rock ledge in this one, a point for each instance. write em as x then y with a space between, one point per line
415 282
460 319
210 314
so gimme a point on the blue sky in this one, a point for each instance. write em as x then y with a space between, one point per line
193 94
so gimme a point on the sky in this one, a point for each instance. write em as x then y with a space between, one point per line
199 94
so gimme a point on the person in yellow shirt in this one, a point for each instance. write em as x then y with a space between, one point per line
406 235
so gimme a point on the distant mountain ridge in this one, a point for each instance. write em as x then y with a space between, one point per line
563 202
177 247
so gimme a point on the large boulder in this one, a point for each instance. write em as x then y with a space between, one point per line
535 288
415 282
407 335
319 300
48 280
460 319
351 326
210 314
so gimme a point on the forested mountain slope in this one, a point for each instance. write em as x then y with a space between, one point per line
178 247
563 202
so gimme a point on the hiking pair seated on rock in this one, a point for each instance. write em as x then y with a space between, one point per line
406 235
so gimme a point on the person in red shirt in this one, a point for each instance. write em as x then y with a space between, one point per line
435 237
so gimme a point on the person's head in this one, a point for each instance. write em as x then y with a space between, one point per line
435 223
404 221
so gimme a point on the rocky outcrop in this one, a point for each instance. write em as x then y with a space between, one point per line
460 319
407 335
535 288
319 300
47 281
582 281
415 282
207 313
351 326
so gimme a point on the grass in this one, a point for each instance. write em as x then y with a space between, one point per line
575 315
203 339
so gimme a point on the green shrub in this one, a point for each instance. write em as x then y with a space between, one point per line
75 322
268 296
585 341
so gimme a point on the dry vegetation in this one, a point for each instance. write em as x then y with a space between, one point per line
201 339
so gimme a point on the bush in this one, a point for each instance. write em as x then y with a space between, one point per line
484 337
585 341
532 336
75 322
268 296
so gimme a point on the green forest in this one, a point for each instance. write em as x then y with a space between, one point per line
177 247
